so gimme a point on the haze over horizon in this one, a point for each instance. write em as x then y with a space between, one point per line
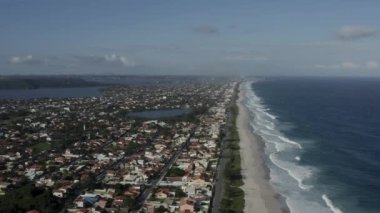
286 38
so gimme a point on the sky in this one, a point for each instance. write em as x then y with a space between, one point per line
190 37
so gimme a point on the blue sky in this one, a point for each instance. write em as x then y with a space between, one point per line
295 37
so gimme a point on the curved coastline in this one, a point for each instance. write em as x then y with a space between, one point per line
258 192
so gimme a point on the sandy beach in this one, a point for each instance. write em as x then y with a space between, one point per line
259 194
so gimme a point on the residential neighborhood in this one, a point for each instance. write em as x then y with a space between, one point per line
97 154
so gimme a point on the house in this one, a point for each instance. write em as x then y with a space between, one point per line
118 201
160 195
58 193
186 205
79 202
101 203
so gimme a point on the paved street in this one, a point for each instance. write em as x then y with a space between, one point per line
219 179
148 190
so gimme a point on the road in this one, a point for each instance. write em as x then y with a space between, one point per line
224 154
100 176
145 194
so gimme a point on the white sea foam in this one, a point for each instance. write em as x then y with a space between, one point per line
264 111
263 133
259 116
270 115
261 121
273 139
278 146
256 104
298 173
286 140
270 127
330 204
266 132
287 175
298 204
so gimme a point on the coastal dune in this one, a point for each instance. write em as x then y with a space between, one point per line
258 193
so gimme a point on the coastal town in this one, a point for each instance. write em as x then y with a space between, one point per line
142 148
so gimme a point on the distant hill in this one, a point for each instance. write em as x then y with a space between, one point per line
62 81
34 82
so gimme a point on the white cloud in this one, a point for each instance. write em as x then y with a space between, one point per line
348 65
106 59
20 59
113 58
28 59
356 32
371 65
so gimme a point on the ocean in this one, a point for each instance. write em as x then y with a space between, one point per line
322 138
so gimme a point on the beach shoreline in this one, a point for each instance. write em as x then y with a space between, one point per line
258 192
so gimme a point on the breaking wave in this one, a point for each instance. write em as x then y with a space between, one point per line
288 176
330 204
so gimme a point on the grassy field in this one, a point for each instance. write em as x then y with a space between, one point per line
43 146
233 197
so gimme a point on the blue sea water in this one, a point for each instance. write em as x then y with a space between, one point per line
322 140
